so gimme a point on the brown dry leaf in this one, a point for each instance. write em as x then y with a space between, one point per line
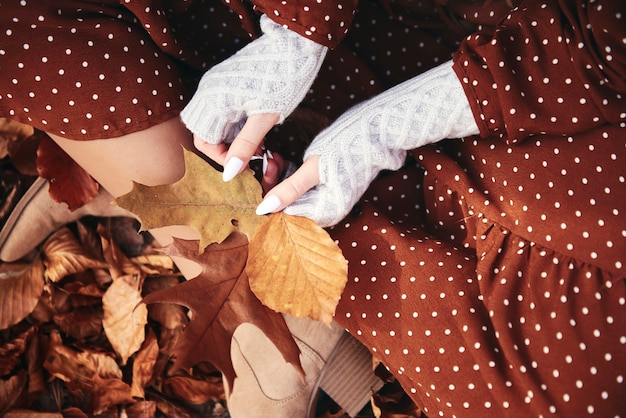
25 413
143 365
23 153
78 367
11 132
296 268
125 317
44 310
108 392
69 182
73 412
220 300
201 200
154 264
11 389
81 322
20 290
64 255
193 391
142 409
171 409
170 318
89 239
118 264
34 360
168 315
11 351
391 401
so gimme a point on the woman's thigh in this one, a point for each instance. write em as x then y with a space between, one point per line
152 156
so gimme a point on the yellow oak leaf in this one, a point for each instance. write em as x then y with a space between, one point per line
295 267
201 200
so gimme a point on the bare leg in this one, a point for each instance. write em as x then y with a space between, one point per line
152 157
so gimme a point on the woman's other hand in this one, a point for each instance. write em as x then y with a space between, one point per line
239 100
373 136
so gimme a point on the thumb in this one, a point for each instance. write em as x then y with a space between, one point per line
292 188
247 142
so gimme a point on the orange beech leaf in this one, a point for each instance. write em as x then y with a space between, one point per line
143 365
220 300
295 267
20 289
201 200
64 255
125 317
69 182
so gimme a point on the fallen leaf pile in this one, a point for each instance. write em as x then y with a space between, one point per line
76 339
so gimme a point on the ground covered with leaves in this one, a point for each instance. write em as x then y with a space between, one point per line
90 346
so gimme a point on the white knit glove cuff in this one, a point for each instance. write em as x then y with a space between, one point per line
271 74
375 136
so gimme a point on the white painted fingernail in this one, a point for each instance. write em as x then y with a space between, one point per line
264 164
268 205
231 169
266 155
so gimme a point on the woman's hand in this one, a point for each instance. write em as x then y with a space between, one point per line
373 136
239 100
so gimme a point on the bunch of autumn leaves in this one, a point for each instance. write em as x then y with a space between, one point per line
88 329
77 341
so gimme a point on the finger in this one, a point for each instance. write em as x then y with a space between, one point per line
247 142
216 152
290 189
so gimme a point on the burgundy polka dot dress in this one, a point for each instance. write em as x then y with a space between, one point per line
488 274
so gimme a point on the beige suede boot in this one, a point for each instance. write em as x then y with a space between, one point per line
37 215
267 386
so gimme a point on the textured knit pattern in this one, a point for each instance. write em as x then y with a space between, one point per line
270 75
375 136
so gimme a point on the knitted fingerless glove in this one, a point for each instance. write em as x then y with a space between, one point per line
272 74
375 136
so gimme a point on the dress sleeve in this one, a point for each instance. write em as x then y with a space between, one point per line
550 67
323 21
